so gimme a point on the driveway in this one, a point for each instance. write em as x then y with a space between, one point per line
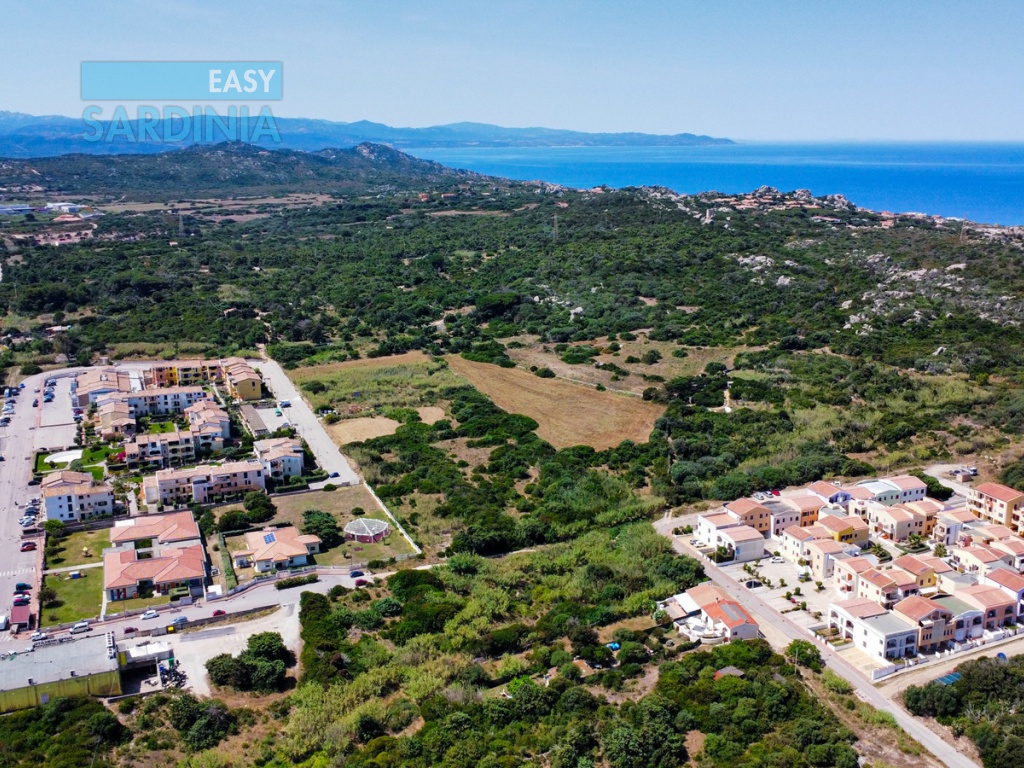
306 424
782 631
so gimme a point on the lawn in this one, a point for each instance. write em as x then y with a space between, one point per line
98 454
569 414
79 598
158 427
120 606
71 548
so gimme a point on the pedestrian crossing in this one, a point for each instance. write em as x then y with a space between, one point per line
18 572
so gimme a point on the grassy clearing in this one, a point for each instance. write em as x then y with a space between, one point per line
568 414
120 606
357 387
77 599
160 427
73 548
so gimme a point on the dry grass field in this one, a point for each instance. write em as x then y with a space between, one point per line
568 414
358 430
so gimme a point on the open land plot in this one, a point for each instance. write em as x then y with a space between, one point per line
534 353
340 504
77 599
359 429
358 387
569 414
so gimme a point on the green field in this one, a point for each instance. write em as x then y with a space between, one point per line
77 599
71 550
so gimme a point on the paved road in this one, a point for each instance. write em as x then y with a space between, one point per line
941 473
306 423
781 626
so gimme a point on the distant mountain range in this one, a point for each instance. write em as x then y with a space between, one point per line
230 168
23 135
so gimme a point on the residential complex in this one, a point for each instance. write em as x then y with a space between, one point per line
154 554
281 457
203 484
276 548
708 614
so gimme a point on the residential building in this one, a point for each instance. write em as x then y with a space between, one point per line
822 555
881 491
927 508
275 549
166 529
742 542
242 382
69 496
879 587
708 527
997 504
1011 582
708 613
873 629
162 449
967 620
210 423
204 483
752 513
999 608
977 559
89 386
281 457
807 504
893 522
830 493
114 419
923 569
911 488
1014 547
165 401
948 526
936 628
782 517
847 571
126 575
796 538
847 529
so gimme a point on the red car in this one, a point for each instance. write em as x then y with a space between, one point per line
28 546
360 582
775 491
130 630
219 612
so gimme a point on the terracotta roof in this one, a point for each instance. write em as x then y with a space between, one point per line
1000 492
804 502
856 492
860 607
878 579
937 564
720 520
742 533
856 564
907 482
121 569
744 506
982 554
165 528
826 546
825 489
913 564
902 578
918 608
985 597
278 544
1011 546
926 507
1006 578
730 613
706 594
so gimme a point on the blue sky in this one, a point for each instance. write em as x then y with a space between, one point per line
748 70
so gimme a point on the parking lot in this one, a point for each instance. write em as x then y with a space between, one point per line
56 427
272 420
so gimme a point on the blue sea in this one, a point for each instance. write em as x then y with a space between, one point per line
980 182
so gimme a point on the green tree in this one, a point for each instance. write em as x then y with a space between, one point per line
322 524
54 529
259 508
805 654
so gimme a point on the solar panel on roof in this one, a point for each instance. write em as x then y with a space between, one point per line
269 538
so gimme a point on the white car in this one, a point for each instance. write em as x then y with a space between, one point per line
150 614
37 636
777 560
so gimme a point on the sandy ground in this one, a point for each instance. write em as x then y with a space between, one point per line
365 428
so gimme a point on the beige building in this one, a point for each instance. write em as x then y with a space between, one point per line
282 457
276 548
997 504
807 505
202 484
96 382
752 513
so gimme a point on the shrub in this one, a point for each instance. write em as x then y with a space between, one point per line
297 581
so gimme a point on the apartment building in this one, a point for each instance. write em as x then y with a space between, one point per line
160 450
873 629
242 382
69 496
807 504
752 513
936 627
948 526
93 384
997 504
202 484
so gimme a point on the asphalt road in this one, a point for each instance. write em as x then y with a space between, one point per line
306 423
781 625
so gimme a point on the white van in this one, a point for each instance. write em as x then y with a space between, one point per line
82 626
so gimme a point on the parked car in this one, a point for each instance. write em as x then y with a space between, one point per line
776 492
21 601
130 630
180 620
219 612
82 626
35 403
335 474
28 546
356 574
21 586
150 614
22 596
35 637
777 560
361 582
